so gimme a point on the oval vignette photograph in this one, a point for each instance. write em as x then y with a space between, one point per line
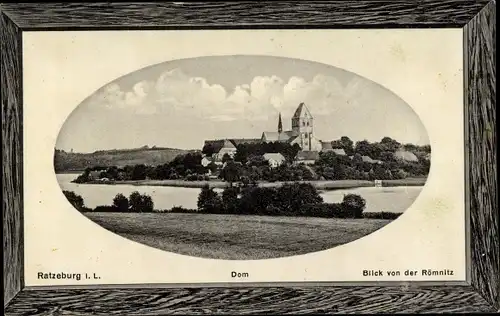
242 157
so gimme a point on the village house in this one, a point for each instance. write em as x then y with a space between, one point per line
274 159
405 156
220 148
306 157
205 161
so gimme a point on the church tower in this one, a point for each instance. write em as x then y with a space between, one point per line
302 126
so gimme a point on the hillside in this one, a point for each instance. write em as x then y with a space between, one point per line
67 162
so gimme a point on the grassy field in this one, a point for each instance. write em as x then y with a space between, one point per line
67 162
319 184
235 237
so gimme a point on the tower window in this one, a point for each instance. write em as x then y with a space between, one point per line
307 123
303 123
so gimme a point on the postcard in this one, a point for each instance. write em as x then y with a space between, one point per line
244 157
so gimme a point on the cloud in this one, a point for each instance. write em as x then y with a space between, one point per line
174 91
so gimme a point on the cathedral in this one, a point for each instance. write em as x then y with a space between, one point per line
302 132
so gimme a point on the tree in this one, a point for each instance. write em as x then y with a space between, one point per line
83 178
290 152
292 196
347 145
121 202
353 205
363 148
112 173
400 174
140 203
75 200
242 153
230 200
139 172
212 166
328 159
226 158
379 172
255 200
387 156
371 175
329 173
389 144
231 172
209 201
208 150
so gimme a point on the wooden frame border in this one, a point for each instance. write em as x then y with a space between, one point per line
476 18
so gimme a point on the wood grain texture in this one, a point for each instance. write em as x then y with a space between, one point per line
479 35
280 14
248 301
10 86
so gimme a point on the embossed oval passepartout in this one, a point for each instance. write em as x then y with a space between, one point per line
242 157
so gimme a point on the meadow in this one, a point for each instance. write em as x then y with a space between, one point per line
235 237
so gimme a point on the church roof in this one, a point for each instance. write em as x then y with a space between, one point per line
239 141
278 137
301 110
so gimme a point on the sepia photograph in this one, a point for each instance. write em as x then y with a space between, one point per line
242 156
249 157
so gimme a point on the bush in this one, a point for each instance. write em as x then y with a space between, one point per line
272 210
120 202
192 177
209 201
140 203
75 200
256 200
180 209
106 208
292 196
353 205
83 178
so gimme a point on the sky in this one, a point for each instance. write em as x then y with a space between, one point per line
179 104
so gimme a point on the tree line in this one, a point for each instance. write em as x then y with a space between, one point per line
249 166
183 166
290 199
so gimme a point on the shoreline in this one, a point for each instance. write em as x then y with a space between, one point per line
318 184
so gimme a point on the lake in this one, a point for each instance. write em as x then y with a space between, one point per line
387 199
